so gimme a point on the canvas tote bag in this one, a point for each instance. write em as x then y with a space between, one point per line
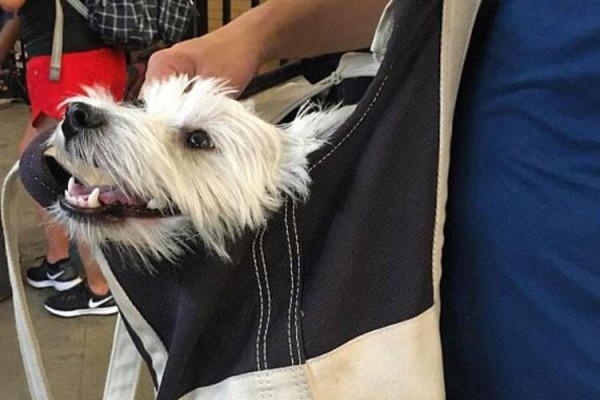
337 297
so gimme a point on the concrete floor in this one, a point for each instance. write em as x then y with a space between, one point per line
75 351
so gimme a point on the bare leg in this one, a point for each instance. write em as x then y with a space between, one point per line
8 36
96 281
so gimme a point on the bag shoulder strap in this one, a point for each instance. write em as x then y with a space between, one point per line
125 363
57 35
30 350
124 368
79 7
57 42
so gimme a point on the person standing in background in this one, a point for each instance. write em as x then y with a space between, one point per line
9 33
86 61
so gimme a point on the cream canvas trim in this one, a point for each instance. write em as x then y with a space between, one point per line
287 383
400 361
457 24
149 338
277 102
383 32
124 367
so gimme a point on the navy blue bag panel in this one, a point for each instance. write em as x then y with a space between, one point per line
355 258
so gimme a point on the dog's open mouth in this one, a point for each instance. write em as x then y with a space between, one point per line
90 195
106 200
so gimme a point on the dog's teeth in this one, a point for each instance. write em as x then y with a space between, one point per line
71 184
154 205
81 202
92 200
70 199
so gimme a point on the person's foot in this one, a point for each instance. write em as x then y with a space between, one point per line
80 301
61 275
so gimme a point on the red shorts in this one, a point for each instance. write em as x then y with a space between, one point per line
103 67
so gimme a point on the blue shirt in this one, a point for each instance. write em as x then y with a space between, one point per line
521 284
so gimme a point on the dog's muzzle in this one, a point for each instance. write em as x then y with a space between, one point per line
81 117
98 202
50 183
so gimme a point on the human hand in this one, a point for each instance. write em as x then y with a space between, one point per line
222 54
276 29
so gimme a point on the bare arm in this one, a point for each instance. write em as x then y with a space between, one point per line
8 36
11 5
276 29
302 28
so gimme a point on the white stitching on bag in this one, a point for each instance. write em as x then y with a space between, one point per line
289 243
262 252
297 294
357 124
260 294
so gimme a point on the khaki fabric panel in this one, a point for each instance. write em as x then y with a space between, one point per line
401 361
276 384
148 337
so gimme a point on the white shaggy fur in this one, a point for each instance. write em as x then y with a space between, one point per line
219 193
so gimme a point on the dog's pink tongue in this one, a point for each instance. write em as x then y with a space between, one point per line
116 196
108 194
81 190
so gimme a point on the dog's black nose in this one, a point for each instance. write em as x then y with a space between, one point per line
81 116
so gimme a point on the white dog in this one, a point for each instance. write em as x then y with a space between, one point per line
185 161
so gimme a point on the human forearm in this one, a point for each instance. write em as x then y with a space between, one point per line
303 28
274 30
11 5
8 36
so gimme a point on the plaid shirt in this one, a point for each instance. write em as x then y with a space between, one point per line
137 23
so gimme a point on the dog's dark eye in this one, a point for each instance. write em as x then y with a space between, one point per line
199 139
138 103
